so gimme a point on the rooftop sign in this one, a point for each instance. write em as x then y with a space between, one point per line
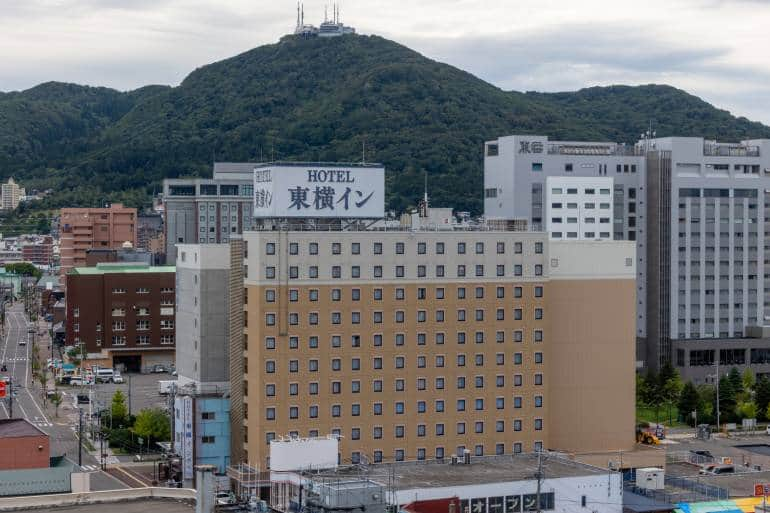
319 191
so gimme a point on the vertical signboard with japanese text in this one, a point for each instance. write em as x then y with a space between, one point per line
188 440
284 191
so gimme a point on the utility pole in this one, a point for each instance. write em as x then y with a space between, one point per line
539 476
80 437
10 397
129 394
719 425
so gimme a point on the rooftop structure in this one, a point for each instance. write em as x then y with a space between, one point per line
329 28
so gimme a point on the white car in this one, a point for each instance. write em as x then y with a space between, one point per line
117 378
23 342
224 499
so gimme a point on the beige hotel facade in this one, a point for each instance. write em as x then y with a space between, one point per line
413 345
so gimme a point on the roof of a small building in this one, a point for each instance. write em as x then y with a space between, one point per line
122 268
486 469
18 428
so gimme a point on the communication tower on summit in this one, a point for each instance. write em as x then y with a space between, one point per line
329 28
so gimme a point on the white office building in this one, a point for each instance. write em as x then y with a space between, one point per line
699 211
579 208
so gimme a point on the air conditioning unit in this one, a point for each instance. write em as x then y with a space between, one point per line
651 478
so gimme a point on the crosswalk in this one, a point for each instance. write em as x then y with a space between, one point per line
16 359
89 468
42 423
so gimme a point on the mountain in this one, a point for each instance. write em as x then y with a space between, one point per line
317 99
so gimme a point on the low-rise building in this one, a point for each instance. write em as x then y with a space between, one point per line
39 252
22 445
123 313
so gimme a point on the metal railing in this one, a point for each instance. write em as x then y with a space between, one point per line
719 150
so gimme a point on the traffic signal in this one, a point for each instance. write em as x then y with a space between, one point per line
2 389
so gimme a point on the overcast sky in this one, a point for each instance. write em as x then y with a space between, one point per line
716 49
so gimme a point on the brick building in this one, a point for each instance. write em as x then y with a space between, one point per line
40 253
86 228
123 313
23 446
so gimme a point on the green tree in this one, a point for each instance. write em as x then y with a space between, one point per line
736 381
727 400
152 424
42 378
762 396
747 410
749 380
689 401
671 389
118 409
23 269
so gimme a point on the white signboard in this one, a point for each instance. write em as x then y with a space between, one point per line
303 453
188 438
319 191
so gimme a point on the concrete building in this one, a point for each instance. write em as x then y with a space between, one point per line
579 208
202 403
39 252
491 484
88 228
208 210
10 195
701 265
124 254
709 279
123 314
515 191
421 344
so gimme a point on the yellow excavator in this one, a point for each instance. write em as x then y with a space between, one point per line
646 438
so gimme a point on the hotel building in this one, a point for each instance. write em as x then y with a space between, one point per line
413 345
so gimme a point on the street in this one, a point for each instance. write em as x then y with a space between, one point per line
27 402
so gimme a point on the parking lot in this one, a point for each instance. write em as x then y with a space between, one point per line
142 389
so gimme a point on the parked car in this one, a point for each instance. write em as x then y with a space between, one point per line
83 399
117 378
158 369
50 390
5 379
23 342
224 499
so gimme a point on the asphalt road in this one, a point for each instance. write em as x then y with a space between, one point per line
28 400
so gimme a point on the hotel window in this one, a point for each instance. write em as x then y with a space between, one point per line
517 402
293 389
461 315
460 271
336 248
400 385
313 318
399 455
421 339
355 271
378 294
355 410
517 380
336 318
538 401
499 337
461 428
378 271
538 270
377 248
355 248
479 404
293 319
439 338
461 383
500 314
479 270
355 317
518 358
293 295
293 248
336 341
500 381
538 335
538 291
336 271
118 312
538 424
479 248
270 390
336 364
538 357
461 293
336 410
440 271
313 248
517 292
378 317
439 293
399 248
166 340
422 248
479 315
336 387
538 379
293 365
399 362
439 248
270 248
538 313
312 365
421 271
517 270
399 407
517 425
143 340
399 340
399 316
461 337
501 270
313 388
142 325
500 248
517 314
313 271
270 367
518 248
270 413
460 248
461 360
479 427
439 315
355 364
421 384
399 271
269 343
118 325
119 290
269 272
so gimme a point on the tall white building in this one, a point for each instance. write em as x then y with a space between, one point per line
700 214
579 208
10 195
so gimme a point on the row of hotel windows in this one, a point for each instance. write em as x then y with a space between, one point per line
141 311
400 339
590 191
400 271
400 293
574 235
400 248
568 168
573 220
399 385
400 316
141 340
400 363
440 454
142 290
400 409
141 325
